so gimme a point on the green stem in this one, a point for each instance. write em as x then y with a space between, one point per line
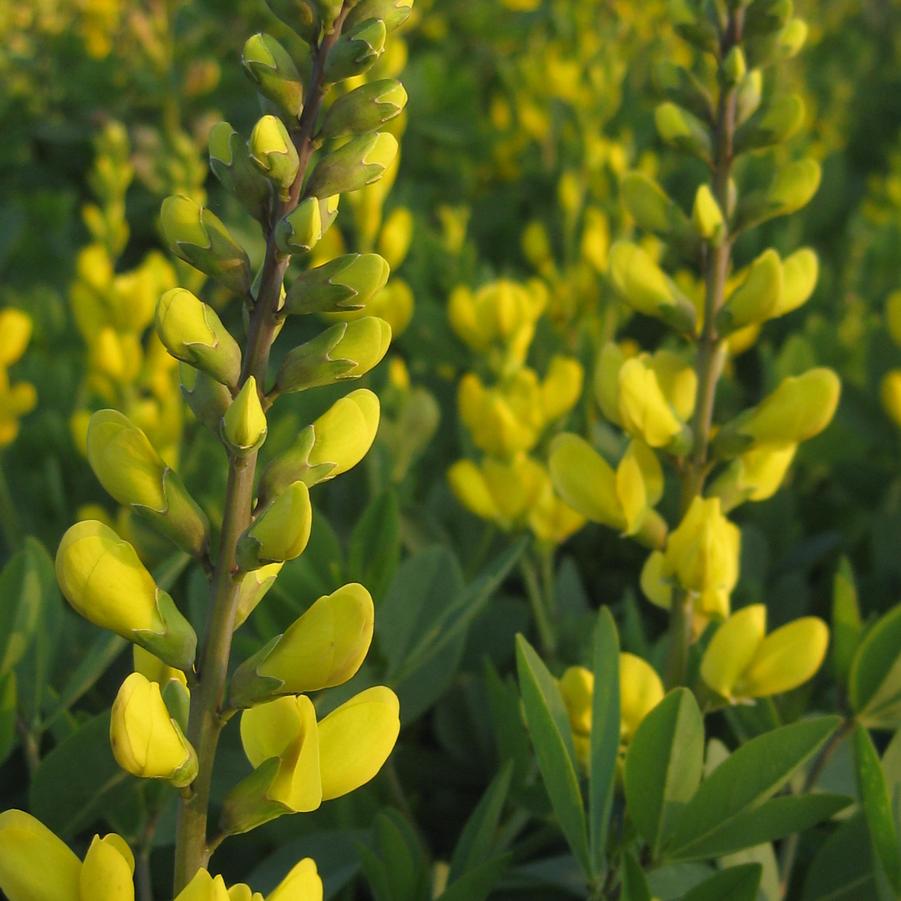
546 636
717 262
192 848
9 519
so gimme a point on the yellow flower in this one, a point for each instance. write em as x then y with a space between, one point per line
753 476
244 424
280 531
15 333
644 409
302 883
741 661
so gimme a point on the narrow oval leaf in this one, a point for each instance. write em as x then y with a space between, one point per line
874 684
663 765
737 884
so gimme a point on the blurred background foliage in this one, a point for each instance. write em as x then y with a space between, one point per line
523 115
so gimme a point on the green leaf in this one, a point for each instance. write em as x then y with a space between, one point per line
736 883
877 807
604 741
396 866
842 869
27 585
476 885
71 786
663 765
874 684
476 842
635 885
552 739
774 819
754 773
510 733
374 549
846 627
8 711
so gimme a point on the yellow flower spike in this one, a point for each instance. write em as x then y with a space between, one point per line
643 408
584 479
244 425
15 333
134 474
103 579
356 739
108 870
323 648
640 691
345 432
758 296
732 649
146 740
301 884
153 669
280 532
204 887
35 865
193 333
561 387
786 658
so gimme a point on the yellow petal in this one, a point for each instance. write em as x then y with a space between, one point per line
204 887
107 873
577 689
786 658
640 691
301 884
34 864
732 649
585 480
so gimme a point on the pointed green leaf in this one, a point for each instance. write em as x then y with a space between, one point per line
874 684
635 884
736 883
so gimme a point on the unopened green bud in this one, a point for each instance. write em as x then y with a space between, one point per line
272 70
300 15
366 108
777 123
101 576
244 424
301 230
642 284
682 130
356 50
230 162
280 532
653 209
134 474
274 154
392 12
755 299
793 187
735 66
199 237
344 351
748 96
359 162
708 217
344 284
192 332
332 445
207 398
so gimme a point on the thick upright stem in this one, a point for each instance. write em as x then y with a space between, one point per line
192 848
717 262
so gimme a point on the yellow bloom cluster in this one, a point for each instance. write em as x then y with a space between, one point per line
16 398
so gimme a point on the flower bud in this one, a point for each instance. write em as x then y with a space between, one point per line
708 217
356 739
392 12
800 408
197 236
791 189
757 297
302 229
735 66
643 286
274 154
748 95
644 410
347 350
280 532
753 476
147 742
359 162
323 648
682 130
192 332
742 662
34 863
230 163
301 884
300 15
799 278
332 445
365 108
252 588
101 576
207 398
346 283
107 873
356 50
244 425
774 124
204 887
272 70
134 474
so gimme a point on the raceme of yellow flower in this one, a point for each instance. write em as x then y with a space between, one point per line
103 579
742 661
146 740
35 865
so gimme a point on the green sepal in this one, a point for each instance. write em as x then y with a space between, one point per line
365 108
392 12
207 398
294 466
356 51
360 162
247 805
247 686
177 699
181 520
176 645
344 284
230 163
